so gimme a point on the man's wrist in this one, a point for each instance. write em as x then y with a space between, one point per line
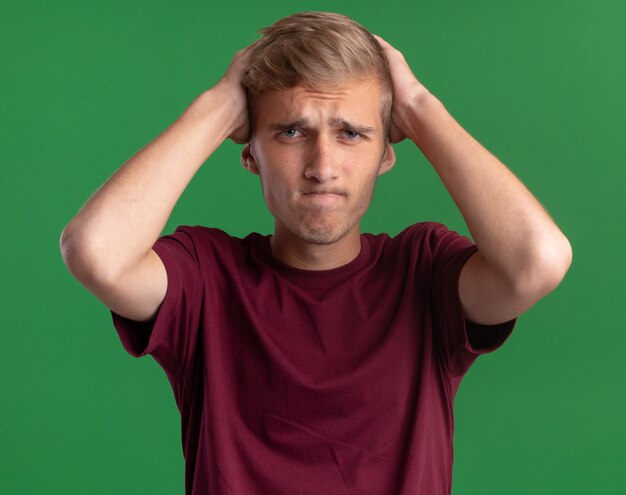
218 107
419 110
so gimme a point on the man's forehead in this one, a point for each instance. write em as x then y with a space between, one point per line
329 89
339 103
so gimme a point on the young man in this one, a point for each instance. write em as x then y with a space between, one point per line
317 360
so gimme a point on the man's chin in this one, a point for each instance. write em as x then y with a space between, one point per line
322 235
320 239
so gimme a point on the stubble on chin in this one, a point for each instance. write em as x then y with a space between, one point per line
320 236
323 231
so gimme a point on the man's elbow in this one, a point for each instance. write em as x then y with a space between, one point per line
548 268
83 260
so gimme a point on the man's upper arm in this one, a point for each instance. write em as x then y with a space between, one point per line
488 297
138 293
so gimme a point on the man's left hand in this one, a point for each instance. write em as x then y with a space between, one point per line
407 91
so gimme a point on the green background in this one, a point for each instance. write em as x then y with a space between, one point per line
86 84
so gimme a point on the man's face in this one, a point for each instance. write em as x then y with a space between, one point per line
319 153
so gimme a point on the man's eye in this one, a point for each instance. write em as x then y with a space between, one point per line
350 134
289 132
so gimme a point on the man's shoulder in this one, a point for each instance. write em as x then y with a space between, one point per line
203 240
416 231
423 240
424 228
214 234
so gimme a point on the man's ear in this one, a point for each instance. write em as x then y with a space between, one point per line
247 159
389 159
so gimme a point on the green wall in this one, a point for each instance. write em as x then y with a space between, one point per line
86 84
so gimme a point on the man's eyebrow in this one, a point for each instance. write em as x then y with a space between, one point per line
333 122
354 126
280 126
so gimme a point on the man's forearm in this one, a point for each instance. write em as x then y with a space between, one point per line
510 227
124 218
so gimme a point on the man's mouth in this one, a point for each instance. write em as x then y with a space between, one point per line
324 192
323 196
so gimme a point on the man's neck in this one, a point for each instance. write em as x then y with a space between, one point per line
298 253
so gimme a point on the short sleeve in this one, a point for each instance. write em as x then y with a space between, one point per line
461 341
171 336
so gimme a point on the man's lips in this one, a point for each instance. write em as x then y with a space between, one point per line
323 196
323 192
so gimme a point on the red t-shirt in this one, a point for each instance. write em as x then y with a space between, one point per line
291 381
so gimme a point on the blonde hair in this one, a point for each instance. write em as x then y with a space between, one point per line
316 49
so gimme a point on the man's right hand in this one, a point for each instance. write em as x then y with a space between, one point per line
231 83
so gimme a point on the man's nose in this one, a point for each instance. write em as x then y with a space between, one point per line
322 164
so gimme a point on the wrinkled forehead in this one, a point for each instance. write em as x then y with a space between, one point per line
362 98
